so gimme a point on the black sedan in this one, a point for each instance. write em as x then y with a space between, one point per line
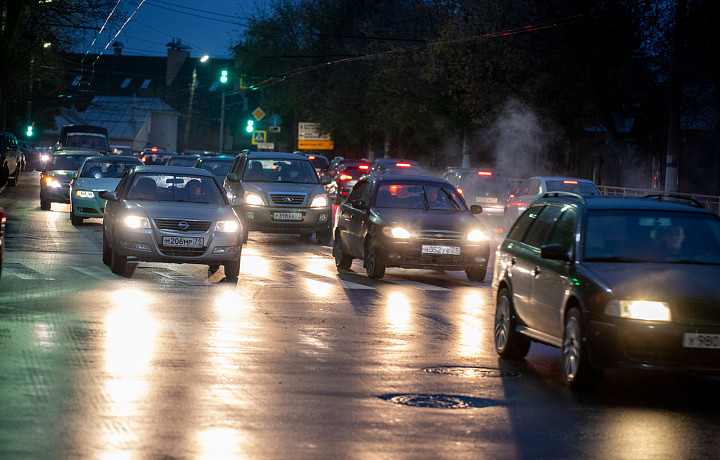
409 222
614 282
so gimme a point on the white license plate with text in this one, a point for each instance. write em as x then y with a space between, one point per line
453 250
183 242
691 340
287 216
486 199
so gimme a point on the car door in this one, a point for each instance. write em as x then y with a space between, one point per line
354 219
517 258
553 277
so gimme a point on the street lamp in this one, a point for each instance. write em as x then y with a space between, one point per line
192 97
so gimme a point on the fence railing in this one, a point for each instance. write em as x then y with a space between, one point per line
709 201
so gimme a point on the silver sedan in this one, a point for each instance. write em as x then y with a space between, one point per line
171 214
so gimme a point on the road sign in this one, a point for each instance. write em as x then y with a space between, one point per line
258 114
266 145
315 145
275 120
259 137
274 129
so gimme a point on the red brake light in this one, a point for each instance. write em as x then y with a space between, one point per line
363 167
570 182
484 173
460 191
143 159
311 157
402 165
344 177
154 149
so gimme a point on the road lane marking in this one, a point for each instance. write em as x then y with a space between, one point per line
25 273
99 273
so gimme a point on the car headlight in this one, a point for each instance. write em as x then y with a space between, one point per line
254 199
639 309
137 222
320 201
227 226
477 235
52 182
84 194
396 232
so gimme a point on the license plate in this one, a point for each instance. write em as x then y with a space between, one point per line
486 199
453 250
691 340
287 216
183 242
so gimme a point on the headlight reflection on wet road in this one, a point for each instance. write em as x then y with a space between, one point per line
252 263
398 312
471 326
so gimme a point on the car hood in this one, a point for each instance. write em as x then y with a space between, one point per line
422 219
87 183
180 210
654 280
283 187
61 174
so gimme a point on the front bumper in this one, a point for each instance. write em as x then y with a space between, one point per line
88 207
637 345
409 254
60 194
272 219
146 245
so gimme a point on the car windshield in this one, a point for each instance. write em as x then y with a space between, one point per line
219 167
67 162
418 196
106 167
86 141
175 187
652 236
574 186
270 170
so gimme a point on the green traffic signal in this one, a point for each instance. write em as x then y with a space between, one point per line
250 128
223 76
29 132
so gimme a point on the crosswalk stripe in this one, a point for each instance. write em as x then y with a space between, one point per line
25 273
176 276
351 285
416 284
99 273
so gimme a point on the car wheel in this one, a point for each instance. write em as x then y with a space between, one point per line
232 268
118 263
13 180
324 236
75 220
576 367
509 343
246 234
476 274
107 252
343 260
45 204
374 265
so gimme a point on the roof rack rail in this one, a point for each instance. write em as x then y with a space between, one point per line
675 197
559 193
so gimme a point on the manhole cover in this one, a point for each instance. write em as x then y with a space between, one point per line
465 371
438 401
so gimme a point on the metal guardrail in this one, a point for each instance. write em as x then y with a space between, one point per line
709 201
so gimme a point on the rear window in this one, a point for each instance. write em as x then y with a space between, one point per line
581 188
493 184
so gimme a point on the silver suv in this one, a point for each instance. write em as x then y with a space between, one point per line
281 193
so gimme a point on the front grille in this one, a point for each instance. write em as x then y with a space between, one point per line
696 314
174 224
287 199
182 252
440 235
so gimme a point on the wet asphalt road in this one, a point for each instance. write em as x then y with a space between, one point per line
293 361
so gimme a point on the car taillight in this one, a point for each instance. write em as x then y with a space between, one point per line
460 191
344 177
570 182
364 167
402 165
484 173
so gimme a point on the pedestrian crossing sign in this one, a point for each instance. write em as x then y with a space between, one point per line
259 137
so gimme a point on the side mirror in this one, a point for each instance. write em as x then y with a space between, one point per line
109 195
359 204
232 177
237 201
325 180
72 175
475 209
554 252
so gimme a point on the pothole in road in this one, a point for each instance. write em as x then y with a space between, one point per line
465 371
438 401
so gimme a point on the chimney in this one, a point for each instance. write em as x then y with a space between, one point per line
177 54
117 47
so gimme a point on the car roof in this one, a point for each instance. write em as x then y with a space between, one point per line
603 202
163 169
117 157
546 178
277 156
407 178
90 153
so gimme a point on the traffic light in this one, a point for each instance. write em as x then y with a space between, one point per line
223 76
250 126
29 132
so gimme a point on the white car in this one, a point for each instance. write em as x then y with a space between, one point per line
96 174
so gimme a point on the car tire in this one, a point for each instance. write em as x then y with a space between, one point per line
118 263
374 265
45 203
107 252
576 368
232 268
509 343
343 260
75 220
476 274
246 235
323 237
13 180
